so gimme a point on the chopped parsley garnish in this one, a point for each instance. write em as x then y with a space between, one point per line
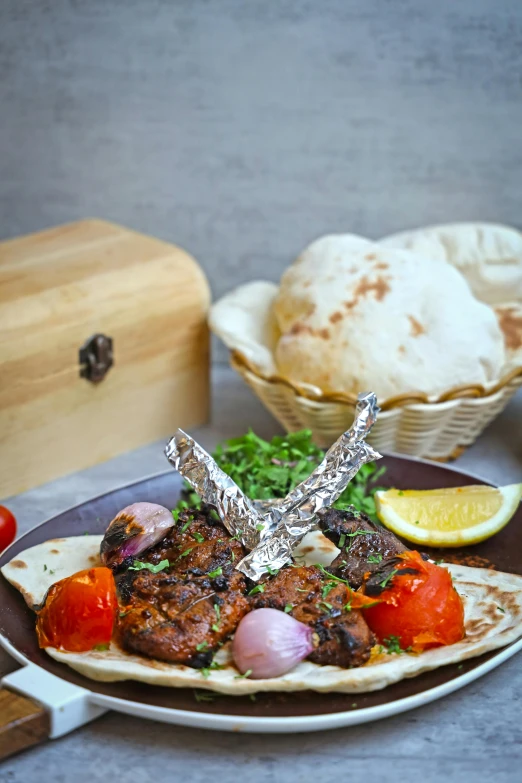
257 589
203 696
400 493
438 562
199 538
101 647
45 567
242 676
124 614
138 565
393 645
375 558
187 524
501 609
186 552
232 556
202 646
327 588
252 697
302 590
331 576
328 606
354 705
217 610
348 607
417 522
272 571
288 608
217 572
260 527
271 469
342 540
387 579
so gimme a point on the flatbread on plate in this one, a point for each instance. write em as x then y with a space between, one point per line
493 612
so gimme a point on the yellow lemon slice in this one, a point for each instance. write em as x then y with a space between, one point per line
448 517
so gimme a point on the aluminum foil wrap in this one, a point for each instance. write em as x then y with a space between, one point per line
291 519
236 510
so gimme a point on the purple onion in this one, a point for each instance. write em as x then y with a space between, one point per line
133 530
268 643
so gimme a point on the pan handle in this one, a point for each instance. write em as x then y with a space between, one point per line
23 723
36 705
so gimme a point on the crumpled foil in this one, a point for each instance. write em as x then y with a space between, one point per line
291 519
235 509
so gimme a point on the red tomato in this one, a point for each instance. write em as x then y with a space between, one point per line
7 528
422 609
79 612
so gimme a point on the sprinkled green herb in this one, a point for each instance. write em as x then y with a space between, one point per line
302 590
202 646
265 470
331 576
232 556
187 524
342 540
182 505
45 567
501 609
438 562
217 610
272 571
354 705
327 588
138 565
288 608
387 579
328 606
417 522
199 538
52 571
394 646
217 572
375 558
86 533
214 515
186 552
461 666
400 492
252 696
203 695
101 647
257 589
124 614
260 527
348 607
243 676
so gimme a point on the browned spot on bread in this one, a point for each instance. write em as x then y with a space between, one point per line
307 284
416 327
18 564
370 257
54 551
402 349
335 317
510 321
382 265
324 333
306 550
94 559
379 287
56 540
300 328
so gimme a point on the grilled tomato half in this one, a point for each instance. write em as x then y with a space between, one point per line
418 604
79 612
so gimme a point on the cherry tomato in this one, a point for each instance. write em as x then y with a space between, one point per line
421 608
79 612
7 528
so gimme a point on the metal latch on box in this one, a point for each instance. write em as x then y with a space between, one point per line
96 358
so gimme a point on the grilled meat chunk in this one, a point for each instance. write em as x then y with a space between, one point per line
324 604
363 544
183 613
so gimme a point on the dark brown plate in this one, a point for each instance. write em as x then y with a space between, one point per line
504 551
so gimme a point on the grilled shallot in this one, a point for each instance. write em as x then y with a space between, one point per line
133 530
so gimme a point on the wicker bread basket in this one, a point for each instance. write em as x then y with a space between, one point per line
440 428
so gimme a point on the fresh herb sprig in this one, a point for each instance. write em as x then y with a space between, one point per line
271 469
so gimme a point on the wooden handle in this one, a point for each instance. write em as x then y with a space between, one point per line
23 723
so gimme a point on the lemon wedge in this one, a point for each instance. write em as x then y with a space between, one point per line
448 517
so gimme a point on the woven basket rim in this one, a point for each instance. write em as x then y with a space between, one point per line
471 391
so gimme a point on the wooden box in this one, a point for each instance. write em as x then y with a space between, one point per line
143 300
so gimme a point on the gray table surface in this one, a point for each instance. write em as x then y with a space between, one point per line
474 734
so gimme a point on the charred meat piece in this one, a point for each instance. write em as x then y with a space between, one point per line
383 577
364 545
183 613
323 604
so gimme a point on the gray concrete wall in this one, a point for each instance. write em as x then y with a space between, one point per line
242 129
